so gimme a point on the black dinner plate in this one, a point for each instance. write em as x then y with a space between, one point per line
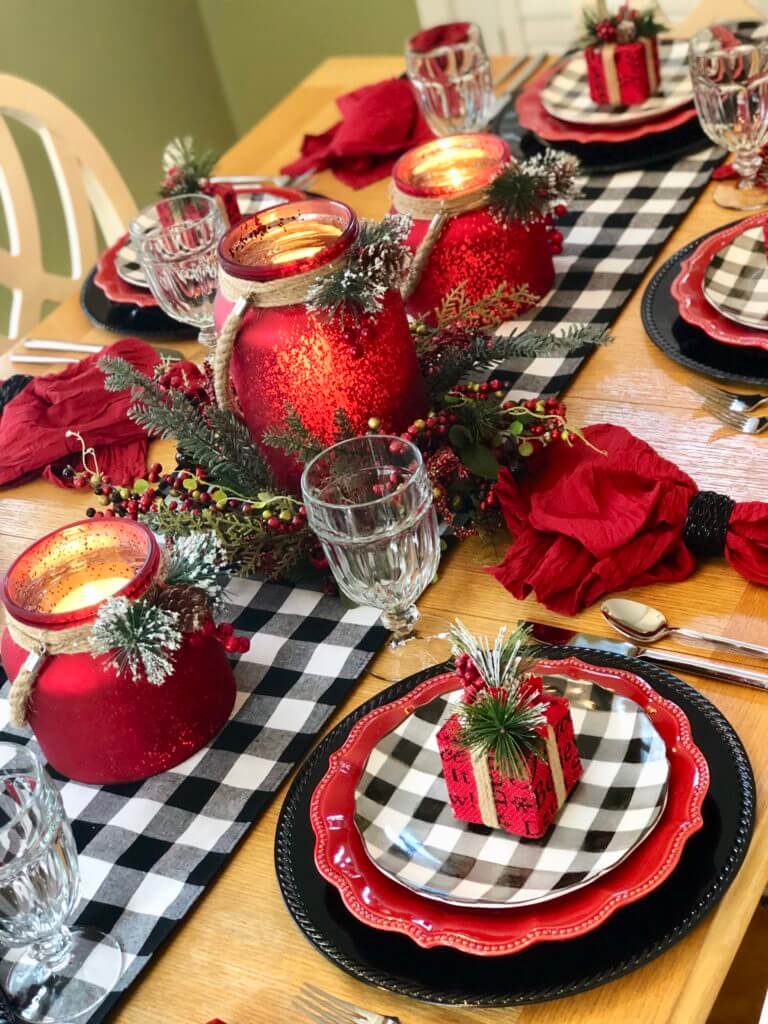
691 346
633 936
125 318
607 158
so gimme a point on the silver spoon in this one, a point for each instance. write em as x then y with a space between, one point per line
646 625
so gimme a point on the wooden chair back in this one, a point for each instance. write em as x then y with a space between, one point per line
90 188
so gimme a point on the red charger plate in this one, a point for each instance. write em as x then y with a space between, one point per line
688 290
382 903
532 115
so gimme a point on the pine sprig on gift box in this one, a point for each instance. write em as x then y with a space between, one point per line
376 262
208 436
443 364
599 29
503 719
139 638
529 190
199 560
184 168
498 726
501 664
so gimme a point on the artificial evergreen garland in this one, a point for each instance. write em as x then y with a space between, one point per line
627 25
501 712
222 483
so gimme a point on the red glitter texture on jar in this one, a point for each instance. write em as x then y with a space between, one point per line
476 248
288 356
93 723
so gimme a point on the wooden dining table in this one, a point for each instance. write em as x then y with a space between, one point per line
238 955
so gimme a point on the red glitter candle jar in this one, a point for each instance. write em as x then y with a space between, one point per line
459 240
94 723
281 353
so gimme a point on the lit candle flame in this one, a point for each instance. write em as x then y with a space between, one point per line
90 593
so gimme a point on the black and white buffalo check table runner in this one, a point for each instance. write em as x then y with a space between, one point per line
612 233
149 849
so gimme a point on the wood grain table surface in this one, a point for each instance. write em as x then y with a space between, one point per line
238 955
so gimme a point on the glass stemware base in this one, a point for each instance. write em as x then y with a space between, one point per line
740 195
65 978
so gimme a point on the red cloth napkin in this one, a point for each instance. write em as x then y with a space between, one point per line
450 34
379 122
586 524
33 425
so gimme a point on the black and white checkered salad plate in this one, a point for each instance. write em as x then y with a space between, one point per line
566 95
127 260
409 831
736 281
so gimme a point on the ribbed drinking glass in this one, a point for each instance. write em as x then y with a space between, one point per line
453 85
176 242
62 972
730 89
369 500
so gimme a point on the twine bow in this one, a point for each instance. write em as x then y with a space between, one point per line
485 799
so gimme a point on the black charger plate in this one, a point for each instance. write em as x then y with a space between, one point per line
125 318
606 158
688 345
632 937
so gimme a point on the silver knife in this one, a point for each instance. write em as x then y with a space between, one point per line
727 673
51 345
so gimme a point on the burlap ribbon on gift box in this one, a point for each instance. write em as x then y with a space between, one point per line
612 86
482 773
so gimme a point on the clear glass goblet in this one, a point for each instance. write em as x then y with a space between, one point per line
176 243
453 84
369 500
730 90
62 972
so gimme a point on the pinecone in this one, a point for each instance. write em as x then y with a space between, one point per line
190 602
626 32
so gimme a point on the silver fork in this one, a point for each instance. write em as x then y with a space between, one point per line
738 420
322 1008
733 401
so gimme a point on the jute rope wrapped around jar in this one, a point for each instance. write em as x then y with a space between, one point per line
437 212
284 291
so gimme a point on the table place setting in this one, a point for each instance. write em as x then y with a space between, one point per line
538 810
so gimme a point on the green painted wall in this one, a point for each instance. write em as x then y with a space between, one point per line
264 47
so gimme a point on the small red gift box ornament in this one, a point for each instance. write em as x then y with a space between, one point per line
623 56
113 657
509 753
483 225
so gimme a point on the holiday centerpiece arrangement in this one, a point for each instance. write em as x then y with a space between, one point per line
115 659
481 220
508 751
622 54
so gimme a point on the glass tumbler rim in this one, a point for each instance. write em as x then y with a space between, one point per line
719 50
309 498
483 63
139 235
31 798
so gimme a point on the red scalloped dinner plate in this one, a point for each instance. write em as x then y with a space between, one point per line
113 286
688 290
532 115
382 903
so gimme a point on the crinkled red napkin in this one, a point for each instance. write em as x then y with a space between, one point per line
379 122
450 34
586 523
33 425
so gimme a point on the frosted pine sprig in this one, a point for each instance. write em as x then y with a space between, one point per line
500 665
138 637
198 560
